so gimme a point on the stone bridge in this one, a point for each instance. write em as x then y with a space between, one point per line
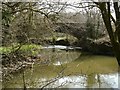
77 30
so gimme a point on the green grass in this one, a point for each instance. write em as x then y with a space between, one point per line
5 50
26 49
31 49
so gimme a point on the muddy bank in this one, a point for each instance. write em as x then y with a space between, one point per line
16 63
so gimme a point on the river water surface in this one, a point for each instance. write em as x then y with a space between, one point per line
67 69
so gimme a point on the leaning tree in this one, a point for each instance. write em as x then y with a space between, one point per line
114 33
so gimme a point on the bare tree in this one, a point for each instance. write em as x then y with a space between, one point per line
108 18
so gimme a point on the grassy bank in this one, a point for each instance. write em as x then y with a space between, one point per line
14 61
28 48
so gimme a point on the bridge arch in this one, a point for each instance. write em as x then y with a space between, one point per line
75 29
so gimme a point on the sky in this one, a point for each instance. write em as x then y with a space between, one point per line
78 1
68 1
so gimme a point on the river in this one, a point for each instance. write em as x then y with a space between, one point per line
67 69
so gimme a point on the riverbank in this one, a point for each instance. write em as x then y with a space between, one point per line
14 60
28 54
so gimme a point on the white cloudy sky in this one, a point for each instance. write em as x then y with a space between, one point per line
78 1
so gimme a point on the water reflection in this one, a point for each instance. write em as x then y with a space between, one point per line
81 70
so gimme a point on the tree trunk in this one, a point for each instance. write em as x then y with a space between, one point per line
117 24
106 17
116 48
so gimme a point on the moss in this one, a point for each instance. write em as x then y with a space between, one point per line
5 50
26 49
31 49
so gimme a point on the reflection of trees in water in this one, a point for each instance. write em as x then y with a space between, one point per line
63 56
98 80
83 56
94 80
53 49
91 79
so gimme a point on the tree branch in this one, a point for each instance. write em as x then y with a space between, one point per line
112 18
